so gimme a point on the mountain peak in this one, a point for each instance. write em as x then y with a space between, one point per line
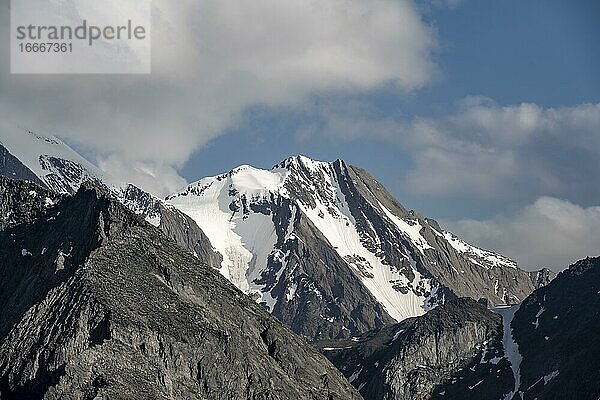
303 161
251 181
284 231
56 165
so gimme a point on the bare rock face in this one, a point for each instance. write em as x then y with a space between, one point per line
97 304
558 332
542 277
453 351
23 201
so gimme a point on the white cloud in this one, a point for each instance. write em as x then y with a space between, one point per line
212 59
548 233
441 172
159 179
488 151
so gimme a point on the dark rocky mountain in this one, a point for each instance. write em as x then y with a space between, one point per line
452 352
548 347
331 253
98 304
558 332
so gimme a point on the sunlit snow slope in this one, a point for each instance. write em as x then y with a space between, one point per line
60 168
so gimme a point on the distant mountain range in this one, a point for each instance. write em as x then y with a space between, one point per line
322 245
92 289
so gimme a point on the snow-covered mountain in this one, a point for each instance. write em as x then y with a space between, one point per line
47 161
52 164
290 234
322 245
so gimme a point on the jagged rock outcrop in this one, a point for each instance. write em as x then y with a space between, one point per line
558 332
541 277
98 304
452 352
23 201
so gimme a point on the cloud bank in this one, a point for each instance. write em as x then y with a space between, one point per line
487 151
212 59
523 157
548 233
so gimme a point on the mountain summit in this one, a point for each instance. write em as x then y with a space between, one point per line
330 252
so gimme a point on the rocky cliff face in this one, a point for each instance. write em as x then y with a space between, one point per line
452 352
541 277
97 304
557 329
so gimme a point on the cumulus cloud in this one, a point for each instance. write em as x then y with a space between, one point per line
488 151
213 59
548 233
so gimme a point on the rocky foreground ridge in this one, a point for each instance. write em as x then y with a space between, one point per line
548 347
98 304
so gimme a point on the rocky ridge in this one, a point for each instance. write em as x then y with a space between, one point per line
452 352
77 321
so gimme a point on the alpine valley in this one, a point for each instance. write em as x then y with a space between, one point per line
257 284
